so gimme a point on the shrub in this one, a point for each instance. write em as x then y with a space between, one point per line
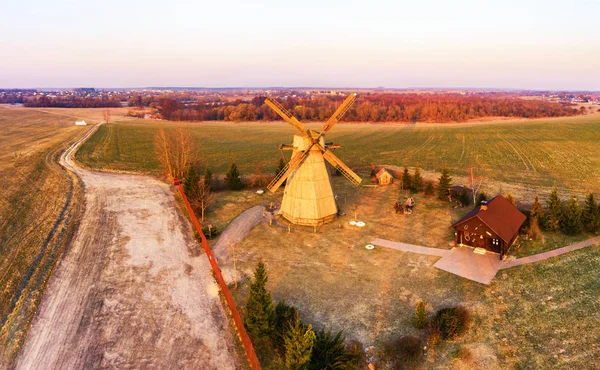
420 315
330 352
210 234
429 188
464 197
451 322
481 197
284 315
511 199
299 343
403 351
534 229
233 179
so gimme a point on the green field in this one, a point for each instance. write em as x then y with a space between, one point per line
521 156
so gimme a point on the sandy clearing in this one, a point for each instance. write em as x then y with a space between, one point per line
127 294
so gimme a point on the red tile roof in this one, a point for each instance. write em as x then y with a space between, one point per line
500 216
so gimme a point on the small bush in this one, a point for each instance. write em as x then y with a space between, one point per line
403 351
214 232
284 315
451 322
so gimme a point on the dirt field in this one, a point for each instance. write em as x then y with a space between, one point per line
127 293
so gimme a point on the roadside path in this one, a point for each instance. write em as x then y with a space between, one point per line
127 293
549 254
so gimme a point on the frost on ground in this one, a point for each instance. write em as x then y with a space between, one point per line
128 294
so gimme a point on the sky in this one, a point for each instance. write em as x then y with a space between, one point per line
525 44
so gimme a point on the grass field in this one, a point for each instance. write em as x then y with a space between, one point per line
521 156
36 192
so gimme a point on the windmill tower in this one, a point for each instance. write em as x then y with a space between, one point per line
308 196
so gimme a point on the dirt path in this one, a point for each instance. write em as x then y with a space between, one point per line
127 294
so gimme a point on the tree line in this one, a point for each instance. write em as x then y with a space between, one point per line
407 108
72 102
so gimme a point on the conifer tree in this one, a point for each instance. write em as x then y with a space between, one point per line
207 177
444 184
534 229
537 212
590 216
420 315
553 211
511 199
191 185
417 180
464 197
299 344
233 179
406 179
570 220
260 315
481 197
429 188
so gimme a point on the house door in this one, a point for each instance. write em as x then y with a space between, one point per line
493 244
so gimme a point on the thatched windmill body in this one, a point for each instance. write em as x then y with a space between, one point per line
308 197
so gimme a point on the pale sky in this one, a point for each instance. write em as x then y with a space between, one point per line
526 44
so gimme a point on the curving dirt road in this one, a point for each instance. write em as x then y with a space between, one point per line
127 293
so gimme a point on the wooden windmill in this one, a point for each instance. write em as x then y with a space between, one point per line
308 197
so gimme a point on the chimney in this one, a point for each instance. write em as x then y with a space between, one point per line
483 205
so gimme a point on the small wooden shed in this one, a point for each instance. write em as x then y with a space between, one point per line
384 177
494 225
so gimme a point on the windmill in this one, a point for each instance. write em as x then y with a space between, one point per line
308 196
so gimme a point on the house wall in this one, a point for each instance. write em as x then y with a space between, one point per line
475 233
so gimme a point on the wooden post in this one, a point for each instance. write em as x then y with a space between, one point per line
289 228
270 221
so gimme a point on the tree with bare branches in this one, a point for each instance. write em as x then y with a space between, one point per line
175 151
205 198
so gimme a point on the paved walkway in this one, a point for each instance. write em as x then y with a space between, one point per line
549 254
410 248
462 261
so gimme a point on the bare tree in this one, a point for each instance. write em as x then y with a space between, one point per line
205 198
175 151
475 187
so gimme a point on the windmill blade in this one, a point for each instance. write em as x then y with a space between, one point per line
288 169
285 114
340 166
339 113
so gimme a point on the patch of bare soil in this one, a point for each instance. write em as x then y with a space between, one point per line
127 293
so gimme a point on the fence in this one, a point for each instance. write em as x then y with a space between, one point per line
237 319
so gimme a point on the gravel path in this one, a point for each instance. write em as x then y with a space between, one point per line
127 294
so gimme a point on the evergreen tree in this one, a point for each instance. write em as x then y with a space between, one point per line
280 166
299 343
444 184
284 316
429 188
464 197
511 199
208 181
260 315
481 197
590 216
420 315
534 229
570 220
553 211
537 212
406 179
417 180
233 179
191 184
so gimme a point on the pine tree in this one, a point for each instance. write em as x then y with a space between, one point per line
444 184
260 315
570 220
553 211
406 179
590 216
208 177
417 180
534 229
429 188
299 344
511 199
191 184
464 197
232 178
481 197
537 212
420 315
284 316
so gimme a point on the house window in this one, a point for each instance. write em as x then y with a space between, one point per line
495 242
